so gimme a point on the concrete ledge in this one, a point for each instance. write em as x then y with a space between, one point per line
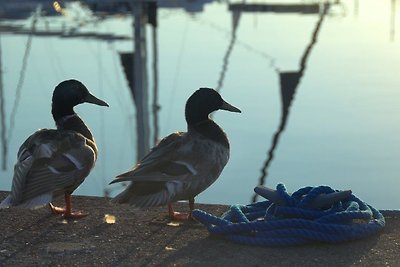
37 238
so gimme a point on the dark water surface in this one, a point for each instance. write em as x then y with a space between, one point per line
337 123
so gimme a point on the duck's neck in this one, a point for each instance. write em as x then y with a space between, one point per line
67 119
209 129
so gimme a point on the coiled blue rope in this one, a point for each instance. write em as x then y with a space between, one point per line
293 222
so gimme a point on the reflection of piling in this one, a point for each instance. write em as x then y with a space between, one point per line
152 19
156 107
2 119
135 68
140 78
289 82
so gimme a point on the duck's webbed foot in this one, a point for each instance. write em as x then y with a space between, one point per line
67 211
181 216
56 210
75 215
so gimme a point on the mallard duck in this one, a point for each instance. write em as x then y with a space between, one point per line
183 164
54 162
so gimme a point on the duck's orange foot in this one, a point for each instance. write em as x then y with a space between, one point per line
67 214
56 210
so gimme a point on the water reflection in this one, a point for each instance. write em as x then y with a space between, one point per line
235 25
226 45
282 8
13 10
7 134
289 82
135 68
3 138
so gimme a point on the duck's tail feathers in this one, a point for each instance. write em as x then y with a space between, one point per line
153 200
6 203
122 197
145 178
37 202
119 180
34 203
157 199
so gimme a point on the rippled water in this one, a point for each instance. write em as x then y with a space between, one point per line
342 125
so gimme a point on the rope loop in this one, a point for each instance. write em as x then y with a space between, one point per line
311 214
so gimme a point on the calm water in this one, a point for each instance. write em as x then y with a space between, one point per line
343 125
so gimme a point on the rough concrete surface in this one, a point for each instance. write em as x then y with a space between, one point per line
148 238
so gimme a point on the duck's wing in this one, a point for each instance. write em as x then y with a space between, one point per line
162 164
159 176
49 162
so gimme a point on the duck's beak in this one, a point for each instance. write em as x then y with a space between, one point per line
229 107
94 100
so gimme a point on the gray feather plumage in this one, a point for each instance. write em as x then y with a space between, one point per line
194 175
43 170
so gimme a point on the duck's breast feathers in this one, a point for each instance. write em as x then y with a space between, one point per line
51 161
210 130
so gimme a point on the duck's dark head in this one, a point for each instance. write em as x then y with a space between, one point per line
70 93
204 101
